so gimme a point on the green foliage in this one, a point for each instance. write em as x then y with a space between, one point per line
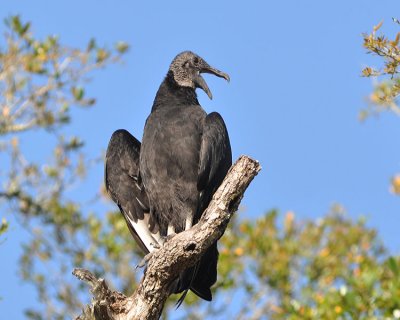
41 82
332 268
3 226
387 89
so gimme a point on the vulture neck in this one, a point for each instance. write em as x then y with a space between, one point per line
170 94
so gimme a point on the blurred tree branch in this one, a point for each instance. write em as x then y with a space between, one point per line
41 81
387 90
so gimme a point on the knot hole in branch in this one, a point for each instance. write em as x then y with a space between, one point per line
190 247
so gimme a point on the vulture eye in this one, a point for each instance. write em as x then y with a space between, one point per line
196 60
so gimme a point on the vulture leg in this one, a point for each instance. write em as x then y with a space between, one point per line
145 259
170 231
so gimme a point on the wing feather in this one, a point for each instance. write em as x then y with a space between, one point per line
122 182
215 157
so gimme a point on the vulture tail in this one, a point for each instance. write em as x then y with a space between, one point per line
199 278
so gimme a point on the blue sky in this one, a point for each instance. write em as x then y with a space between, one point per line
292 102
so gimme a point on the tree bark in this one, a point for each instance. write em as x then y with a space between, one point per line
177 254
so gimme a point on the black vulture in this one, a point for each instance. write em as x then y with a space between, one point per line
163 185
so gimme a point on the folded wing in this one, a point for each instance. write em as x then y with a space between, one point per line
122 182
215 161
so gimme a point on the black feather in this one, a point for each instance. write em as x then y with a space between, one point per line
184 156
121 179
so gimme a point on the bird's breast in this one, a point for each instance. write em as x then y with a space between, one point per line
171 145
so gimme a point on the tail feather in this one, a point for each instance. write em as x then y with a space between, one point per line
181 299
199 278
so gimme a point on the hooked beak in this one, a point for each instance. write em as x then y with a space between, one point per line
200 82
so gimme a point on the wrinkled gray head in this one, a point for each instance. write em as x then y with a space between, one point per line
187 68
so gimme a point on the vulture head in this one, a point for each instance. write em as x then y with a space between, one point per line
187 68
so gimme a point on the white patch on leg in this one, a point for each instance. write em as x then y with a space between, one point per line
157 236
171 230
189 222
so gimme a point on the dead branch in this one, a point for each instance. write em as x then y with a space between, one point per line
177 254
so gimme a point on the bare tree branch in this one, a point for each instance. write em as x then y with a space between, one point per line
177 254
